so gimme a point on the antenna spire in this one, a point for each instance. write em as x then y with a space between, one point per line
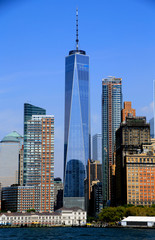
77 33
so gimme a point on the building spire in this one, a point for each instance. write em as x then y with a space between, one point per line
77 33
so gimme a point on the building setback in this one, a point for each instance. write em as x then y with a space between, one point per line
77 126
111 119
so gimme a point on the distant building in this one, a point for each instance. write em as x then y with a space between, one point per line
9 198
21 166
58 193
39 155
9 158
152 128
138 221
29 110
94 175
128 111
96 201
111 119
68 217
97 147
129 138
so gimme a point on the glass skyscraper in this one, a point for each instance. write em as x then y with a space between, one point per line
77 127
111 119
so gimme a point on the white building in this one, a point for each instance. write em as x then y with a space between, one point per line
74 216
140 221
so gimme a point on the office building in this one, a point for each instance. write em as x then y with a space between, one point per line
20 166
96 201
140 177
9 198
129 138
29 110
77 126
151 127
128 111
97 147
9 158
111 119
58 193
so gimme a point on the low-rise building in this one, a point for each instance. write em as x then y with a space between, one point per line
71 216
138 221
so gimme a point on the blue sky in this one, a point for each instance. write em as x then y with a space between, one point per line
35 37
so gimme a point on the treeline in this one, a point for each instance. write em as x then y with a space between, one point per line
114 214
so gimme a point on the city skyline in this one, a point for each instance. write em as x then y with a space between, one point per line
32 51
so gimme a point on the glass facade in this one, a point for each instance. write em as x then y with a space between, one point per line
111 119
29 110
77 123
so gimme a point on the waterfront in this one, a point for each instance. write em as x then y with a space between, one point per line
59 233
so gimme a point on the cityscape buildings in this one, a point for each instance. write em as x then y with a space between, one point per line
139 174
111 118
97 147
127 111
29 110
129 138
77 125
39 147
9 157
152 128
58 193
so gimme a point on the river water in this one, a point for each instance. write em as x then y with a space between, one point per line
76 233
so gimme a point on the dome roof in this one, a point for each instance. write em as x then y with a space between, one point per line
12 137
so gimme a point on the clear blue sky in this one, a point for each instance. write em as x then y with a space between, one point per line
35 37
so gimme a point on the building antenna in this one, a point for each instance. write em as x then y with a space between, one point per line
77 33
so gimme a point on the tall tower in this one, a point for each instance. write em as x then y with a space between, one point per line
29 110
111 119
77 125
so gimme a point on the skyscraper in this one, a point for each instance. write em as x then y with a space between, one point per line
40 158
97 147
29 110
77 125
111 119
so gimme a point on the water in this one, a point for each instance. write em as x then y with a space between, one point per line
76 234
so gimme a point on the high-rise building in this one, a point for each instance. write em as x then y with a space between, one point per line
9 157
77 126
29 110
111 119
39 154
152 127
97 147
129 138
128 111
94 175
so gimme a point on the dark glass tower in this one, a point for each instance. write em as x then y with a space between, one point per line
77 126
29 110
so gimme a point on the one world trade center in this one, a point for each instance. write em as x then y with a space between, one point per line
77 125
